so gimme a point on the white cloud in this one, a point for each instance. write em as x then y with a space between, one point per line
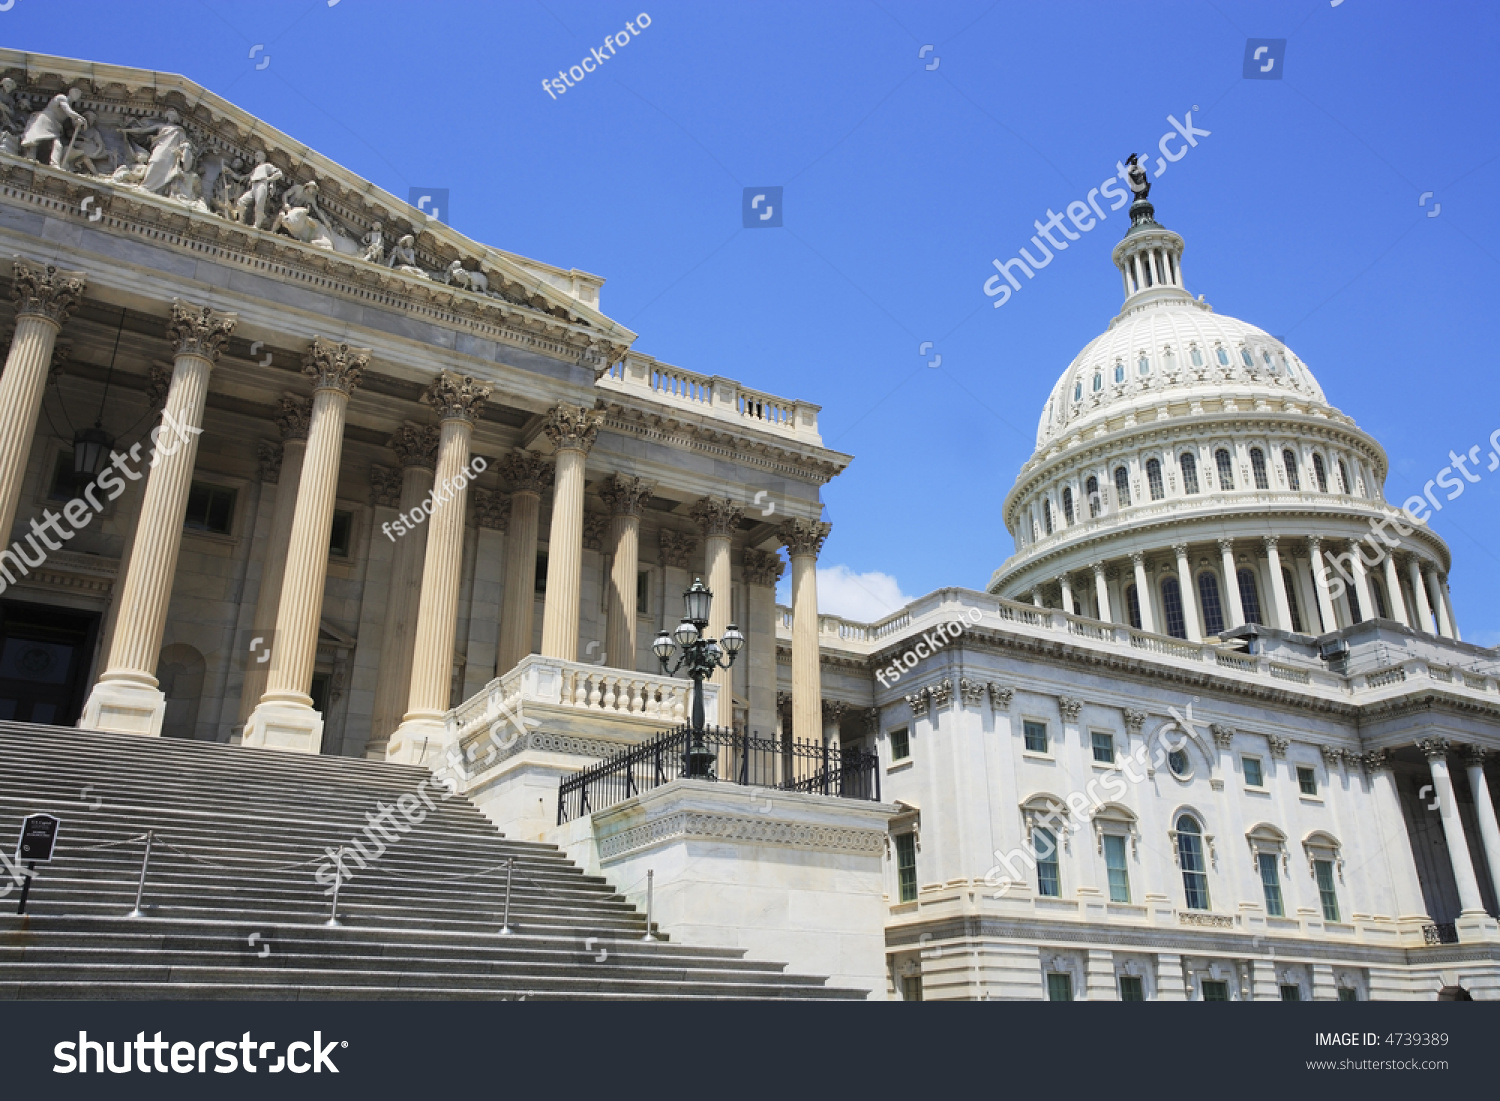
862 597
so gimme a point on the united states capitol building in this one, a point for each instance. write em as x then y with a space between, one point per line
289 466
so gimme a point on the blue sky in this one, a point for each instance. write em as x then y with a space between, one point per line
1301 211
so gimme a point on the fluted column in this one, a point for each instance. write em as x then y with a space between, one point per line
127 697
1451 614
1066 585
623 495
1469 900
1367 608
717 518
527 474
1393 595
1419 592
803 540
1278 585
292 416
1143 591
1189 595
1101 591
416 447
1232 602
1394 840
285 718
761 570
44 298
458 400
1439 605
572 430
1484 811
1320 585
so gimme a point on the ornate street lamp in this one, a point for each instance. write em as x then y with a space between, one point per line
701 656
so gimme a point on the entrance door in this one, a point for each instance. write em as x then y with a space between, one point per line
44 660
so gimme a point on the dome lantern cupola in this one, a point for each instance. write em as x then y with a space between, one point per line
1150 255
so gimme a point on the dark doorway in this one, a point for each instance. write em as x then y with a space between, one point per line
44 662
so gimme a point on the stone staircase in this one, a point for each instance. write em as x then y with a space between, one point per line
226 918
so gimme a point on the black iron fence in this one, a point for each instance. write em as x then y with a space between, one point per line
734 758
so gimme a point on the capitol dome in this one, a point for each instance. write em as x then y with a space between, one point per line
1190 476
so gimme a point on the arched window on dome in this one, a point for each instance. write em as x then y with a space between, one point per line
1133 606
1047 515
1036 532
1078 390
1189 466
1068 505
1098 381
1291 370
1258 468
1122 487
1266 355
1143 365
1291 599
1168 360
1320 473
1213 607
1226 469
1119 372
1091 487
1246 358
1171 605
1222 356
1250 596
1345 485
1153 479
1190 860
1289 461
1197 356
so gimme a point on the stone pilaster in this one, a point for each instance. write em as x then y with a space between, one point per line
127 697
527 474
572 430
623 495
284 717
717 519
803 540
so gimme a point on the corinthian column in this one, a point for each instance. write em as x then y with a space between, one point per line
1143 591
1389 826
44 299
1471 905
1424 621
285 718
623 496
1185 591
527 474
803 540
457 401
572 430
127 697
1278 585
416 447
1320 583
1393 591
1232 602
1484 811
293 417
761 570
717 518
1439 605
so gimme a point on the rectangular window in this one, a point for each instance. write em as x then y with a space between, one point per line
1291 992
541 573
900 744
209 508
1104 747
1215 990
642 591
1348 994
341 536
911 988
1253 776
1059 987
1119 873
1270 881
906 865
1036 736
1307 780
62 488
1131 989
1048 875
1323 870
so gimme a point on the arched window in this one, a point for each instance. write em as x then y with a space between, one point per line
1190 859
1213 609
1320 473
1189 472
1222 356
1098 381
1143 365
1068 505
1171 603
1377 594
1153 479
1048 879
1047 515
1250 596
1197 356
1246 358
1266 355
1289 460
1122 486
1119 372
1291 599
1092 488
1258 468
1133 606
1345 485
1226 468
1291 370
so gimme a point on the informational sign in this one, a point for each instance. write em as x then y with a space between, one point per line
38 838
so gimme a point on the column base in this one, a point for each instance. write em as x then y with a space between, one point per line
295 728
417 740
125 707
1476 926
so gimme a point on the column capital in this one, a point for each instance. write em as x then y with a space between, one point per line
762 567
293 416
1223 735
159 385
1226 546
491 509
1138 558
526 471
624 494
1071 707
1180 549
803 537
456 397
1314 544
199 330
717 516
676 548
1134 720
334 366
268 456
415 445
385 486
44 291
1270 542
572 427
595 524
833 710
1434 749
1097 567
1474 755
1377 759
